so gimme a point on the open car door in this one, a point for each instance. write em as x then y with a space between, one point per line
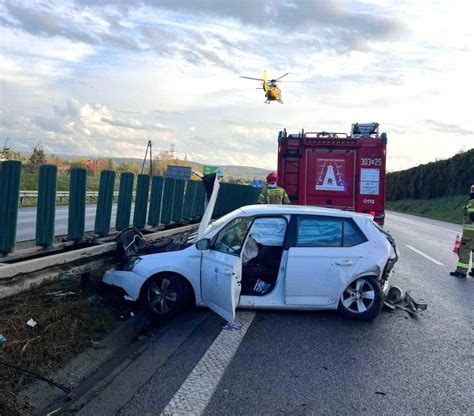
221 268
221 276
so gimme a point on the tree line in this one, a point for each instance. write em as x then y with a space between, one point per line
448 177
161 161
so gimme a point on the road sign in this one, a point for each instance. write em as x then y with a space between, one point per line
178 172
207 169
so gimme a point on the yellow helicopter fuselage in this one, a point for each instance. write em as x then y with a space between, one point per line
272 93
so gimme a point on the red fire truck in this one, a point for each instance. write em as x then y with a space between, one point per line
335 170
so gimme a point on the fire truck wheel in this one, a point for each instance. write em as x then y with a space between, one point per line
362 299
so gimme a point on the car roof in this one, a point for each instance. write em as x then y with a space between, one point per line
275 209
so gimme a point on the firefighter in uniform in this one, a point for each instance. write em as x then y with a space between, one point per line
273 194
467 240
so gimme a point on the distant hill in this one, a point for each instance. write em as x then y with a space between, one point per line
244 172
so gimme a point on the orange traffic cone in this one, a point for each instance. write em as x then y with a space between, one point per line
457 244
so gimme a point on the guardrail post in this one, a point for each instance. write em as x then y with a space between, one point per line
104 202
46 209
168 192
200 198
195 208
10 173
178 200
141 201
77 204
156 196
188 200
124 207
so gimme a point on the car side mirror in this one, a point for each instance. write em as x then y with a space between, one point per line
203 244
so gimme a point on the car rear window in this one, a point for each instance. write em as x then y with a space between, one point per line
320 231
352 234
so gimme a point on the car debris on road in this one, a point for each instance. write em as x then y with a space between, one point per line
395 298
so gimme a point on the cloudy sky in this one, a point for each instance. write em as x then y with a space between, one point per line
101 77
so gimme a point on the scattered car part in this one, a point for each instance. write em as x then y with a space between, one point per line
396 299
130 241
394 295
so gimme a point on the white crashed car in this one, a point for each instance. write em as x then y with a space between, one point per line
269 257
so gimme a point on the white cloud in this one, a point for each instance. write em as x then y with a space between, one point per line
168 71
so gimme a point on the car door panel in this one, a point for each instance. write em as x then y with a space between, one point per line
221 282
221 268
325 253
314 277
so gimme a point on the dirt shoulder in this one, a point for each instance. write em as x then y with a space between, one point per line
69 319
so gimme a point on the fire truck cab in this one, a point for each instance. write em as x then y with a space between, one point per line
335 170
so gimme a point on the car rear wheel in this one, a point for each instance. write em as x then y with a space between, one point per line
362 299
166 296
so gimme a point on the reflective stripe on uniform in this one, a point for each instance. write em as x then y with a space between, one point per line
470 210
468 227
273 192
462 265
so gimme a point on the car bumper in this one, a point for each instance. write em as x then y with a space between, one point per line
129 281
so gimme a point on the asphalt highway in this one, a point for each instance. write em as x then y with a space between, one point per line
26 224
316 363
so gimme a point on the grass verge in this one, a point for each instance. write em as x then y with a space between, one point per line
446 208
69 319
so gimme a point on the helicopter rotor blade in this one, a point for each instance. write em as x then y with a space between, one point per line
282 76
256 79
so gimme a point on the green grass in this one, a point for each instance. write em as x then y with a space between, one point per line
29 182
447 208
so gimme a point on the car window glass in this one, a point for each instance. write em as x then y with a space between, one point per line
319 232
352 234
219 222
269 231
231 237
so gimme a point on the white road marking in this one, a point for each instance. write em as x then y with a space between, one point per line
196 392
425 255
424 223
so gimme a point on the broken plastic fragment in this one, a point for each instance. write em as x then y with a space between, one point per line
32 323
396 299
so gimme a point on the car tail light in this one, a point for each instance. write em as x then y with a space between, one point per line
372 213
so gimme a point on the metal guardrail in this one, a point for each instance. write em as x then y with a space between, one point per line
22 276
59 194
158 202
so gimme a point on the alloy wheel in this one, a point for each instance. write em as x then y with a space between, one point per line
162 296
359 296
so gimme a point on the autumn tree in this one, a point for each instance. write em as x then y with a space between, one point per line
38 157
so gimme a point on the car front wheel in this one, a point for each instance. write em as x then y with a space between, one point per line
362 299
165 296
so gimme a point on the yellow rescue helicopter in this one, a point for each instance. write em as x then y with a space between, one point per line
272 92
